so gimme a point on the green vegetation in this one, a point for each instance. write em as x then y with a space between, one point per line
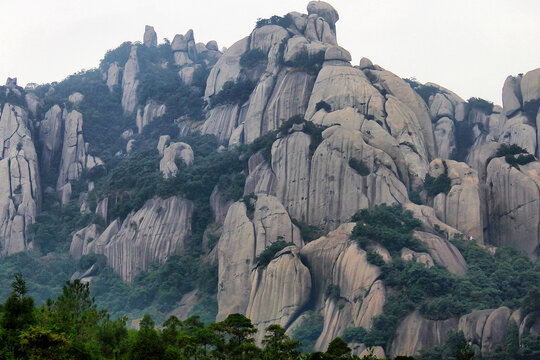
120 55
506 278
9 96
73 327
283 21
480 104
251 58
374 258
333 292
391 226
304 61
415 197
308 232
440 184
359 166
509 151
264 258
309 330
455 347
323 105
425 91
233 92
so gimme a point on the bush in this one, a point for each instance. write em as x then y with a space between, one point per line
333 292
414 196
509 151
304 61
120 55
251 58
359 166
323 105
308 332
425 91
440 184
283 21
391 226
480 104
374 258
308 232
264 258
233 92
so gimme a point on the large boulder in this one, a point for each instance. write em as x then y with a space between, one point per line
324 10
151 111
176 150
227 68
511 95
530 86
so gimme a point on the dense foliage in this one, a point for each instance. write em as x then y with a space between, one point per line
425 91
268 254
74 327
480 104
283 21
304 61
514 155
233 92
308 232
440 184
323 105
251 58
359 166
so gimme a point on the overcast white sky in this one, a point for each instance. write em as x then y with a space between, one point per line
468 46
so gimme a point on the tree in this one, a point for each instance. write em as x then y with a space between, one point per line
18 314
278 345
236 338
338 349
148 345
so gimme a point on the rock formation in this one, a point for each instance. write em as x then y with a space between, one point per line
130 82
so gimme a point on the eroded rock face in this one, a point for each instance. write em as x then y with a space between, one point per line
150 36
113 75
415 333
151 111
511 95
130 82
461 207
443 252
151 234
279 291
75 156
513 200
241 241
50 136
530 86
20 189
338 261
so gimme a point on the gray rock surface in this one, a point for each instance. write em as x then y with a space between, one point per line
150 36
151 111
130 82
50 136
176 150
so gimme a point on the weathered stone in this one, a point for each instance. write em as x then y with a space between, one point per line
130 82
113 75
443 252
227 67
150 36
324 10
76 98
530 86
50 136
511 95
151 111
176 150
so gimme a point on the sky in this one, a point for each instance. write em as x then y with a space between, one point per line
467 46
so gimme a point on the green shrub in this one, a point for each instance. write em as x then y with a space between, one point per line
264 258
333 292
414 196
283 21
233 92
250 200
251 58
480 104
391 226
120 55
509 149
288 124
359 166
440 184
374 258
309 330
454 347
231 186
354 335
200 76
425 91
323 105
308 232
304 61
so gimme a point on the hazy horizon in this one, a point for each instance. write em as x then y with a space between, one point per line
467 47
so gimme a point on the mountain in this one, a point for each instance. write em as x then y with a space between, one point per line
277 180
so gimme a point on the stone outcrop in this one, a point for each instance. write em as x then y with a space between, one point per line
336 260
151 111
245 236
20 189
113 75
50 136
279 291
227 67
75 156
151 234
150 36
130 82
176 150
513 199
443 253
461 206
